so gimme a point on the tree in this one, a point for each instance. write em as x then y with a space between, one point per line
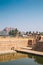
33 33
13 32
29 32
41 33
19 33
36 32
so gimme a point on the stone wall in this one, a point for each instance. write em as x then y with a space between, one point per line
38 46
9 43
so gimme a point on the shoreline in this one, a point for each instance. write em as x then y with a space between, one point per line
7 52
23 51
38 53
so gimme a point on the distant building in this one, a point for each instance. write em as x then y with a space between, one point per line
23 33
8 29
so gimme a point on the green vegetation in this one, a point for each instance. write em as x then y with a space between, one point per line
41 33
13 32
27 33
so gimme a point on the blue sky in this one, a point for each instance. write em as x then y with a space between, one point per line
26 15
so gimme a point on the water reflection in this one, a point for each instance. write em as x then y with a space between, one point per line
15 56
38 59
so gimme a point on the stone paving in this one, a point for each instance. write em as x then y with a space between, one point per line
30 51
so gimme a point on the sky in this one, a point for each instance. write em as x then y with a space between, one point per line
26 15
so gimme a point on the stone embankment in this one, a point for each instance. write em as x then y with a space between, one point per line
11 43
39 45
28 51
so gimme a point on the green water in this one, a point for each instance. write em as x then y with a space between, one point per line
20 59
